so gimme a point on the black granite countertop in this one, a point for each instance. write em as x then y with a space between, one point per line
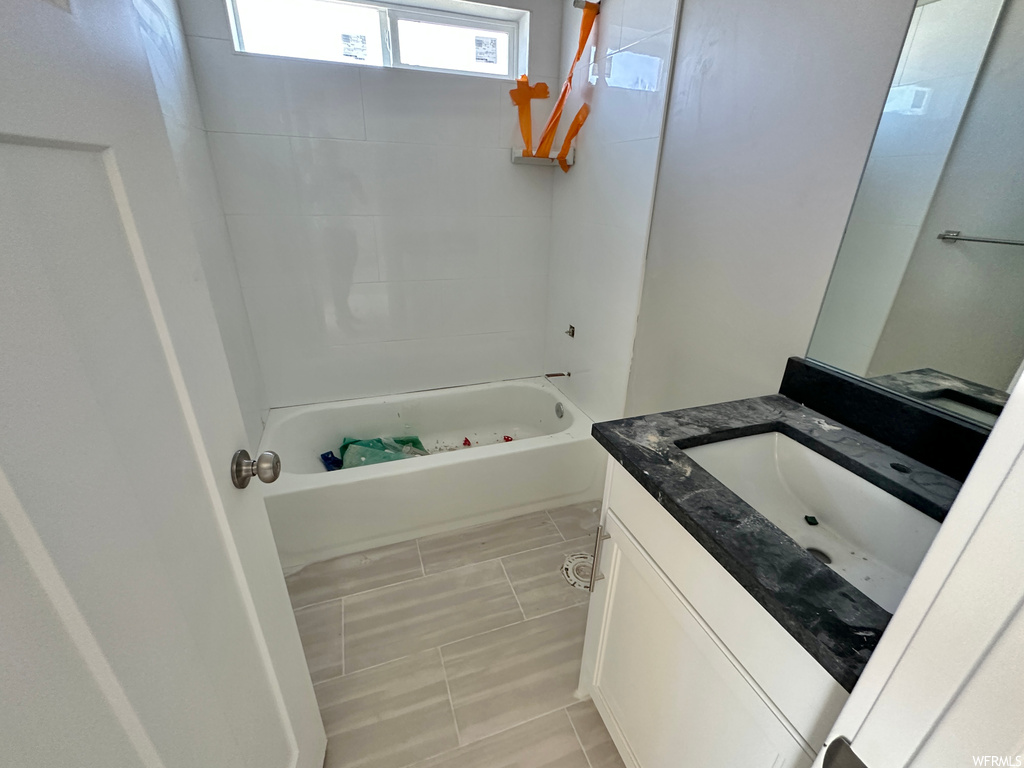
837 624
927 384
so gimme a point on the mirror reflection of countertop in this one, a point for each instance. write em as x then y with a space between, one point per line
835 622
947 391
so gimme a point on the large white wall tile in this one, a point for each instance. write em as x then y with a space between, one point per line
430 108
232 319
631 90
386 179
169 61
609 32
363 370
206 18
330 251
437 247
324 99
523 245
239 92
642 19
504 189
619 182
195 170
375 216
336 177
248 93
600 216
348 243
255 174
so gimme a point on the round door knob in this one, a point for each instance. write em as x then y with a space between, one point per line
266 466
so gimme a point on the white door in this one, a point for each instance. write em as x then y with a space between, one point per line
143 615
944 687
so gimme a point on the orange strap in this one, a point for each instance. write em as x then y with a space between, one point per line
574 128
547 136
521 95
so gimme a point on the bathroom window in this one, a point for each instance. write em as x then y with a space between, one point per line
436 35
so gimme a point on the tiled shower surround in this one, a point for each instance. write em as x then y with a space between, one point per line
458 649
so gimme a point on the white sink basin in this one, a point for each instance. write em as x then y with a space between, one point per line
873 540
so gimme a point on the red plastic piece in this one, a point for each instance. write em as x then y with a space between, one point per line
465 442
508 439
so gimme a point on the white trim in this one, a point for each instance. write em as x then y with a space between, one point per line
396 13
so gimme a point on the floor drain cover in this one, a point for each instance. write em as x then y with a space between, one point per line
577 569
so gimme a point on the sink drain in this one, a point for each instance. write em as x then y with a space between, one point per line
820 556
577 570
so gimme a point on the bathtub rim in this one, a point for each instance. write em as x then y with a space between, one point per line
578 429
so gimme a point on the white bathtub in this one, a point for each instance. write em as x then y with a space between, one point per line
315 514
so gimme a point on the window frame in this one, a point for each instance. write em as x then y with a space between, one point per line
515 22
396 13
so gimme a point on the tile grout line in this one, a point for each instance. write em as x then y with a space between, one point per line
451 701
548 513
354 594
512 624
524 722
449 570
419 554
423 566
424 650
453 642
577 734
446 752
512 587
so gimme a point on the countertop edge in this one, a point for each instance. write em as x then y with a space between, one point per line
833 621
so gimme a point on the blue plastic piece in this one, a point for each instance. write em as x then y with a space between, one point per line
331 462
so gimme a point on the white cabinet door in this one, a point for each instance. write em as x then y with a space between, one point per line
671 694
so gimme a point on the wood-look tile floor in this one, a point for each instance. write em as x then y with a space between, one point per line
459 650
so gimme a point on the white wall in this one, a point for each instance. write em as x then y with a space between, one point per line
172 73
959 307
602 207
384 240
943 52
773 108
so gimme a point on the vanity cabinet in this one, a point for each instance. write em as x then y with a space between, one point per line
683 669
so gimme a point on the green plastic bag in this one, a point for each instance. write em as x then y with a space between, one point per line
360 453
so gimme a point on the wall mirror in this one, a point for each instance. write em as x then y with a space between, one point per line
911 306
